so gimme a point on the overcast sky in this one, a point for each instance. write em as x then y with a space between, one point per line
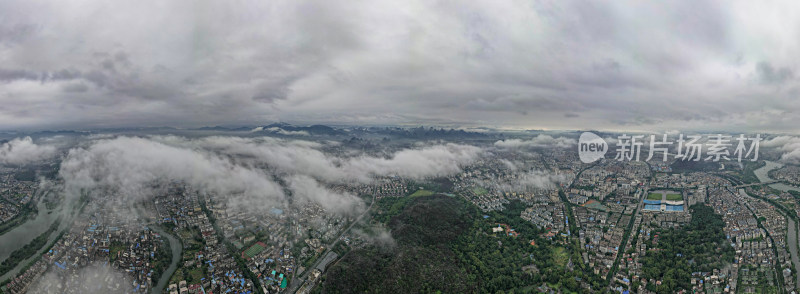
620 65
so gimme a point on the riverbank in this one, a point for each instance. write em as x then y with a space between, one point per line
175 248
27 251
792 231
24 233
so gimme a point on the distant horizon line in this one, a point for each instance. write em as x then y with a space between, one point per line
233 127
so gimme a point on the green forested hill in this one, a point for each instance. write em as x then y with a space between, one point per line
445 245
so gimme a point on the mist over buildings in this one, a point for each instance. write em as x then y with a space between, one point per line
93 278
249 173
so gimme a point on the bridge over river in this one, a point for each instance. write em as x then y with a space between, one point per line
758 184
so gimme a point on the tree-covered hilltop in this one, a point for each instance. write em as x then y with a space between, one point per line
422 261
699 246
446 244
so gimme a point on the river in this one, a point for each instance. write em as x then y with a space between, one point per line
763 176
24 233
175 247
29 230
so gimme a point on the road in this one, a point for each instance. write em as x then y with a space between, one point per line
627 235
297 282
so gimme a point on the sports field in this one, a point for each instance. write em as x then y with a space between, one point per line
654 196
674 197
422 193
254 250
480 191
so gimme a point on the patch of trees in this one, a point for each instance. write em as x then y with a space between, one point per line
699 246
445 244
161 259
422 261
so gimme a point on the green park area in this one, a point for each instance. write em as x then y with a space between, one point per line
560 257
595 205
654 196
422 193
480 191
674 197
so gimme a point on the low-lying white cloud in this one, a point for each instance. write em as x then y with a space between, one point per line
376 235
280 131
305 188
247 171
788 145
95 278
305 157
539 141
130 166
21 151
432 161
533 180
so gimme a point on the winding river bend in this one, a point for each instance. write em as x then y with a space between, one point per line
175 247
27 231
763 176
32 228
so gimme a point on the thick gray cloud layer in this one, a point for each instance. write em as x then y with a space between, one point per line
544 64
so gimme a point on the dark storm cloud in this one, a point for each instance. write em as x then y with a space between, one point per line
17 74
618 65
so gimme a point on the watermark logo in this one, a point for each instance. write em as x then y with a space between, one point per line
591 147
714 147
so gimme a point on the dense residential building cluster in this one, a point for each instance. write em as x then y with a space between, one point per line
386 187
492 184
789 173
15 196
104 239
546 215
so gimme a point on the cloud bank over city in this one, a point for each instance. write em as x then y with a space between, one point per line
21 151
539 141
252 174
95 277
625 65
789 146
